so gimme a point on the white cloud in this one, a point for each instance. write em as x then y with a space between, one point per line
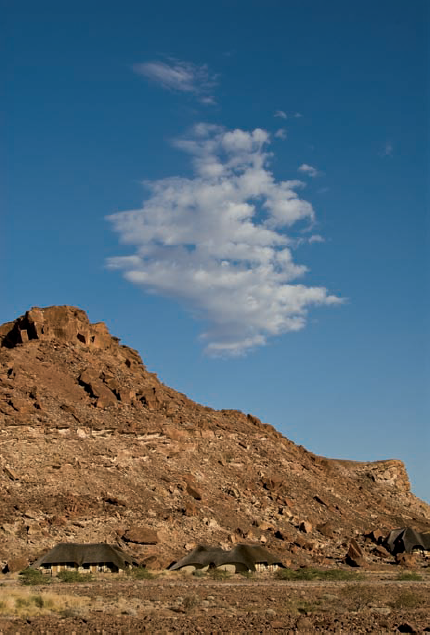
281 114
281 133
218 242
309 170
316 238
180 76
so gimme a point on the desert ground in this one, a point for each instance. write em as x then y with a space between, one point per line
370 602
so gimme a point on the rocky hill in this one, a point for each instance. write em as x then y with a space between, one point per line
95 448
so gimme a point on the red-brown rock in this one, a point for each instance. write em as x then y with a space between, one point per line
407 560
273 483
381 552
190 510
141 535
305 526
192 491
354 557
326 529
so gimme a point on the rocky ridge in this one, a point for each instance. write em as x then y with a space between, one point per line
95 448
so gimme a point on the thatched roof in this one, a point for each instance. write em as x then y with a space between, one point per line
81 554
246 555
407 539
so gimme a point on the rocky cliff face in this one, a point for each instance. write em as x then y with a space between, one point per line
93 447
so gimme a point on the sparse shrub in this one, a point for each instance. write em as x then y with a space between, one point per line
357 596
38 601
307 573
30 577
20 602
411 576
140 573
246 574
299 574
406 600
308 607
219 574
69 611
74 576
189 602
198 573
339 574
31 600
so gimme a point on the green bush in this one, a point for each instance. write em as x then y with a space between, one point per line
198 573
339 574
219 574
412 576
38 601
30 577
189 602
407 600
246 574
74 576
308 573
140 573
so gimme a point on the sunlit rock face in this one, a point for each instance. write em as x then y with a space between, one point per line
94 448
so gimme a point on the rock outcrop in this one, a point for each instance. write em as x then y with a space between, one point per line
93 447
63 323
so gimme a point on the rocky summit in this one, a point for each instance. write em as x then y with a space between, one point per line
94 448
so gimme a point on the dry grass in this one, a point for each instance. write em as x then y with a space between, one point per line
25 603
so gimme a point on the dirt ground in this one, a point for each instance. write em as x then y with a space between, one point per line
377 603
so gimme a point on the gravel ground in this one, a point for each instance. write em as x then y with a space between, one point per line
238 605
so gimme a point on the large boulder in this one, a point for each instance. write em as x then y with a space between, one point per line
141 535
355 557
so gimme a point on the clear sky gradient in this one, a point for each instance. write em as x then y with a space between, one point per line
275 158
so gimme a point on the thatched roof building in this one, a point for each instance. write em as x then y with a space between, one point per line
242 557
407 540
93 557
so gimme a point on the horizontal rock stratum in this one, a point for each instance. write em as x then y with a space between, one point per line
95 448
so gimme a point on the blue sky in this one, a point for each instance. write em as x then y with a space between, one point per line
239 190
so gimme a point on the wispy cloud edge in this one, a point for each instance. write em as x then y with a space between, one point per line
180 76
